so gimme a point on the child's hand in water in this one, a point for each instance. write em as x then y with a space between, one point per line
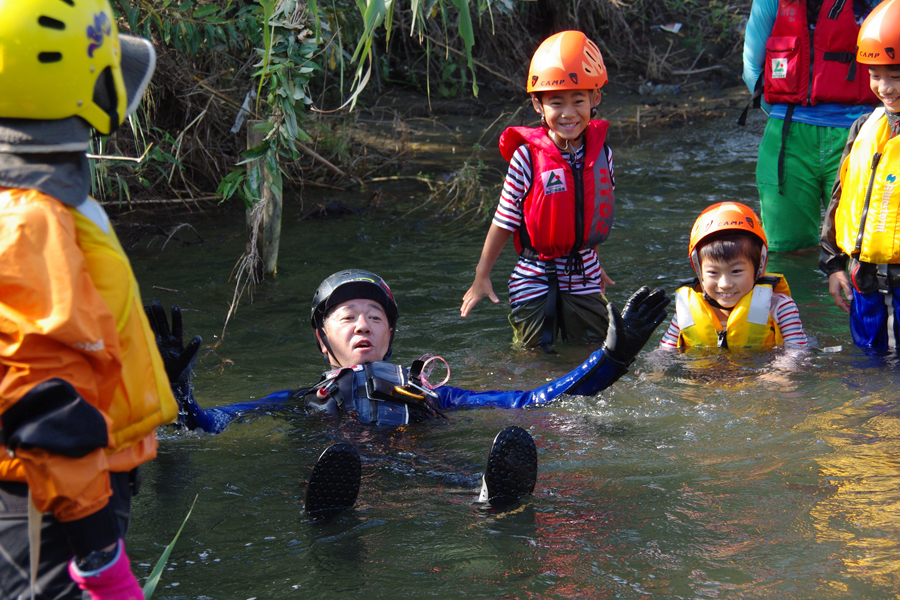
481 287
838 284
605 281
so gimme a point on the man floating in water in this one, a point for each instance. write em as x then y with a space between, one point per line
354 316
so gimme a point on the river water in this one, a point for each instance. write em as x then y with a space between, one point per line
706 475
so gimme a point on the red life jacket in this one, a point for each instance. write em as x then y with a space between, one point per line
564 210
834 76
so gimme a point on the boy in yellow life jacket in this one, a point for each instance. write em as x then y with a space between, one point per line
733 303
82 384
862 224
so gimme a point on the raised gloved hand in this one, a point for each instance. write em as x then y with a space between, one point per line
629 330
111 580
178 359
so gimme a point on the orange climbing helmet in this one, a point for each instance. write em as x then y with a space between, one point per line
726 216
566 61
879 37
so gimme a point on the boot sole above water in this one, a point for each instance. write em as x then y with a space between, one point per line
511 471
334 482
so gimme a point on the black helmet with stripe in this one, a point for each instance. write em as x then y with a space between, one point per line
347 285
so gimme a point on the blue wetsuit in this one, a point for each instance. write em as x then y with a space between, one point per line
595 374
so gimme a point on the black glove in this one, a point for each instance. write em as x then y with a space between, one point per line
178 359
629 330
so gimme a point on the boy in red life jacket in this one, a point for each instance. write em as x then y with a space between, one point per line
733 303
862 223
557 202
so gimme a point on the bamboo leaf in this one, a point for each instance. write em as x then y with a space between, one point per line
314 11
388 19
204 11
268 9
468 36
373 15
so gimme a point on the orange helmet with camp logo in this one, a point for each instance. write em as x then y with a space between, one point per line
726 216
566 61
879 37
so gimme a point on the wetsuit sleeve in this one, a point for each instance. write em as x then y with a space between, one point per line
59 361
595 374
832 258
214 420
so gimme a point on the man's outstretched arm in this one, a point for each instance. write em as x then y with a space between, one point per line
628 332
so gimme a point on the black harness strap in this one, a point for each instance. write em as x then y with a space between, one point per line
549 327
785 129
755 99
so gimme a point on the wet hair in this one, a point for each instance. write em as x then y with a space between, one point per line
732 245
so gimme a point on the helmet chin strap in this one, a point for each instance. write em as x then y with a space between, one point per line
323 339
715 304
567 147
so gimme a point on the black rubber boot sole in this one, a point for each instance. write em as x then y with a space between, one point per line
334 483
512 467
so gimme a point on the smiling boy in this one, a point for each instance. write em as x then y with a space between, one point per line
557 202
733 303
862 224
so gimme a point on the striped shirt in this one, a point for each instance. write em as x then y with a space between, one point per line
784 311
529 279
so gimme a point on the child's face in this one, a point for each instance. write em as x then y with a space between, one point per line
727 282
567 112
885 83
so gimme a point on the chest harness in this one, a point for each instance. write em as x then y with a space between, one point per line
377 393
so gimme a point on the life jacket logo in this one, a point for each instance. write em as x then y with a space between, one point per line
779 68
884 209
554 181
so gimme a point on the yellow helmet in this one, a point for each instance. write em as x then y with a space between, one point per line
60 59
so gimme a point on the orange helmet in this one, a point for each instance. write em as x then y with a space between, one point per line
726 216
879 37
566 61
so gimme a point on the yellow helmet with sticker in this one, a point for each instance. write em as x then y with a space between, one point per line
59 59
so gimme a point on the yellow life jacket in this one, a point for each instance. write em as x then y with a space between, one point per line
750 323
867 220
143 399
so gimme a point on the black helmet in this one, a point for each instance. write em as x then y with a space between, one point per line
349 285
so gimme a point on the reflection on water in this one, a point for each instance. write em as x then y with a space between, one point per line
746 475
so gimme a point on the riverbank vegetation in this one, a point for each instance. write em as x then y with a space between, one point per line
309 79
